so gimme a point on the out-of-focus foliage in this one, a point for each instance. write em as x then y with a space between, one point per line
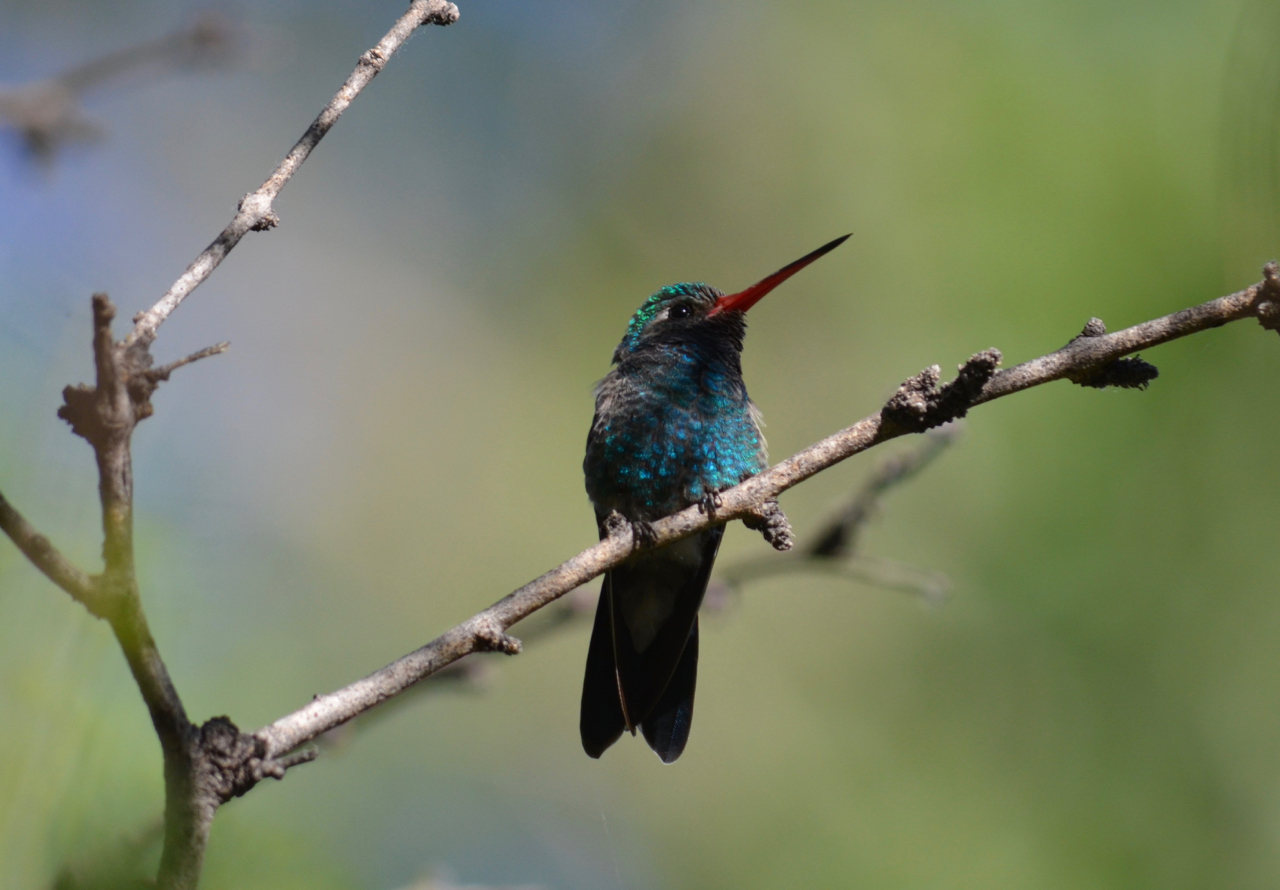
395 439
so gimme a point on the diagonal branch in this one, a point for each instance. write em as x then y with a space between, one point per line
207 765
833 549
47 113
208 39
163 372
831 552
48 559
920 404
839 537
256 213
1095 348
204 766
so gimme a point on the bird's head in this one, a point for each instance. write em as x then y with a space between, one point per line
699 315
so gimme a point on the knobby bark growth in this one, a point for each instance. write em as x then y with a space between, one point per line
206 765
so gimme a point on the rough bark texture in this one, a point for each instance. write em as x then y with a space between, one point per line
207 765
920 404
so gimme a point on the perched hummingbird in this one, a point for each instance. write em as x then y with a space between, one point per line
673 426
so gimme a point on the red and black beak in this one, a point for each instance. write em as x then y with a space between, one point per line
745 299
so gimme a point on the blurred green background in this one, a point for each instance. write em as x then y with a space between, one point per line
395 439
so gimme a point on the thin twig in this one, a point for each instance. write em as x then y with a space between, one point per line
839 535
887 574
920 404
834 545
1093 349
207 765
47 113
47 558
211 37
163 372
256 212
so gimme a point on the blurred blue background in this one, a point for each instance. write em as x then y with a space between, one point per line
395 439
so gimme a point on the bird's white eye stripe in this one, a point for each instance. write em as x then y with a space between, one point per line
679 310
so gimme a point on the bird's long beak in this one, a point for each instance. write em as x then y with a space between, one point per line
745 299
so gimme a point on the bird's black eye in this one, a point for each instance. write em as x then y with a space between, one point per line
680 310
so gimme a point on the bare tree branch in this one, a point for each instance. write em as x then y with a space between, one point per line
920 404
47 113
210 38
256 213
832 553
833 550
45 557
886 574
163 372
839 535
105 415
1095 349
207 765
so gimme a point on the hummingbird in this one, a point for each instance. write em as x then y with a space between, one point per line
673 426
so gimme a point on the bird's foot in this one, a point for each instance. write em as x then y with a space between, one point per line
772 523
710 503
642 533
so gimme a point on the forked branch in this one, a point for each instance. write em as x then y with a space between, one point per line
256 212
204 766
207 765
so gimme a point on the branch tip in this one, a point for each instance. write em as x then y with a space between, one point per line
768 519
442 14
277 768
921 404
1268 302
490 637
163 372
104 311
